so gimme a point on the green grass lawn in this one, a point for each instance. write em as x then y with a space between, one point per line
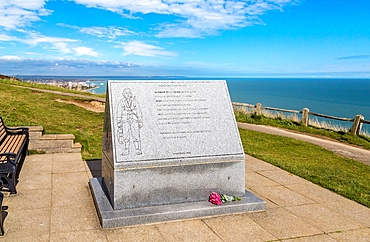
344 176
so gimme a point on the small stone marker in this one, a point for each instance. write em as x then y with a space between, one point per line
167 145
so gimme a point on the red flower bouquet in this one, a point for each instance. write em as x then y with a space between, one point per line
219 199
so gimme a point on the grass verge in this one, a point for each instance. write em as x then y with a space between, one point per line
344 176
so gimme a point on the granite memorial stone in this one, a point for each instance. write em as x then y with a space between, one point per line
166 146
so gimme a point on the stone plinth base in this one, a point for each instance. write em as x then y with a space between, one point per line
114 218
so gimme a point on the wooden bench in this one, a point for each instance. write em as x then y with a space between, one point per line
13 151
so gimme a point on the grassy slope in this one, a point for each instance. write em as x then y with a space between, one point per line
21 106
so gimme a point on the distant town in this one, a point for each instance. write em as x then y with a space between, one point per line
73 83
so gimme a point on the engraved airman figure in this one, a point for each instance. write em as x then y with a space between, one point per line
130 122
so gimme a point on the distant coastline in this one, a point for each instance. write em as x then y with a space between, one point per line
9 77
340 97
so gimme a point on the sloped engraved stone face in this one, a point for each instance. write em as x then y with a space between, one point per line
161 135
162 120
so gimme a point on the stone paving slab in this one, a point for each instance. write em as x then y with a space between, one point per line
315 192
283 196
239 228
187 230
138 233
352 210
54 204
250 177
283 224
282 177
256 165
324 218
359 235
315 238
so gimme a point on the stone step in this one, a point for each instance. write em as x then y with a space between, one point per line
52 143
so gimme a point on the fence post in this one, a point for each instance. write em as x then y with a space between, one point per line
244 110
305 112
357 125
259 109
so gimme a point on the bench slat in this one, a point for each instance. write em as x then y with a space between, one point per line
2 128
12 143
2 131
16 144
6 145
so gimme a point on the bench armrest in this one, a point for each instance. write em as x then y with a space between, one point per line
19 130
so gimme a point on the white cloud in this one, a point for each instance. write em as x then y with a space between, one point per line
172 30
197 17
62 45
34 38
15 13
75 66
144 6
85 51
143 49
26 4
4 37
110 32
11 58
59 44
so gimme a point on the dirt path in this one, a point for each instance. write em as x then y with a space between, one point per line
335 146
99 99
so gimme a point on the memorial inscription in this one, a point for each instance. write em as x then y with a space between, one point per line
172 120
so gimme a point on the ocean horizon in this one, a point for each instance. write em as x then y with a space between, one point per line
339 97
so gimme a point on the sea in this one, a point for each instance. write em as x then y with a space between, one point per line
339 97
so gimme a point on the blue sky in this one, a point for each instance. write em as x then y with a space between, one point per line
211 38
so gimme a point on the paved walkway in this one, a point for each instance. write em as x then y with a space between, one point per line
335 146
54 204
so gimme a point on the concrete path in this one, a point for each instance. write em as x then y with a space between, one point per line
335 146
54 204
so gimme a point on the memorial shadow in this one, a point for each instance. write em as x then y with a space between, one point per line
95 167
